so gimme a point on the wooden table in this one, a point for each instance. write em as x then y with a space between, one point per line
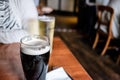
11 69
63 57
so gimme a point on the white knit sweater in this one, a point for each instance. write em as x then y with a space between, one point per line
14 17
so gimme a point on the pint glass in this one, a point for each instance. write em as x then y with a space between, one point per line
35 51
46 27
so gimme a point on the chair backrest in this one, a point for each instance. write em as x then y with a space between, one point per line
105 17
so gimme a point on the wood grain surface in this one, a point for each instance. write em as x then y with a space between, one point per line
62 57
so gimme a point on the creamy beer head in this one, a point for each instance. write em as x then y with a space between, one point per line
46 18
34 45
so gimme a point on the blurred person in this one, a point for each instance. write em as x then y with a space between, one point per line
86 16
91 19
36 2
42 8
115 4
88 21
102 2
14 19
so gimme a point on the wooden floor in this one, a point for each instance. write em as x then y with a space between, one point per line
98 67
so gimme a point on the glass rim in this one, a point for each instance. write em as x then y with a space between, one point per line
44 17
25 38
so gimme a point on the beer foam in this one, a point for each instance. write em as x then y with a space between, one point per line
35 47
46 18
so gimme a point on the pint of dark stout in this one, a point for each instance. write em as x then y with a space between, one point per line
35 51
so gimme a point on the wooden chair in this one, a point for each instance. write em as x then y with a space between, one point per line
105 19
118 60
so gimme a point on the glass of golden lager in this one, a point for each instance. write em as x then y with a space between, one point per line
46 27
